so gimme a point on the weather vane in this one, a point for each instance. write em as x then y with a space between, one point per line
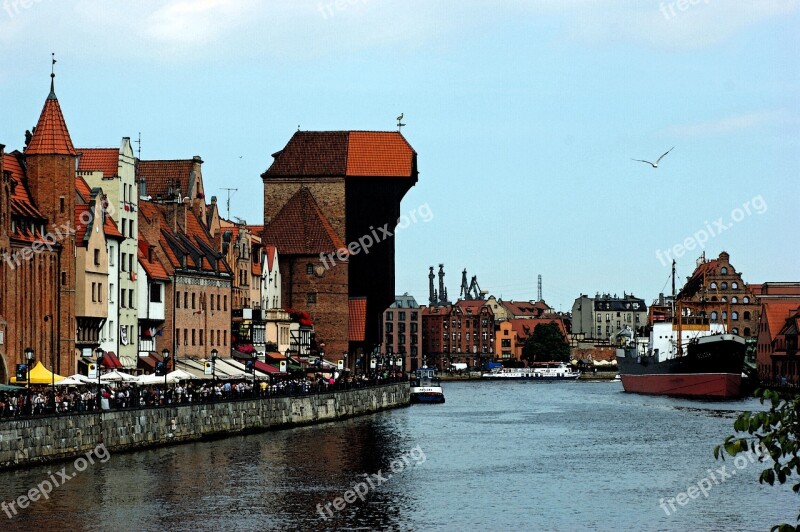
400 123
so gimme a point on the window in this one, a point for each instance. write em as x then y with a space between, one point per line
414 316
724 315
745 299
389 327
734 285
225 338
734 299
724 285
193 336
124 227
735 330
311 298
193 301
211 337
97 257
225 307
177 336
124 268
63 278
401 316
212 303
186 300
389 316
747 331
122 299
714 316
599 318
734 315
186 337
131 301
723 270
177 301
61 203
155 293
309 269
747 317
713 286
111 293
94 298
99 292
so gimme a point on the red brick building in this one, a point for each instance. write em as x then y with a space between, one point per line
342 191
37 270
463 333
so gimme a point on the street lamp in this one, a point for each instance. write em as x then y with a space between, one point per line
214 354
99 353
29 358
165 354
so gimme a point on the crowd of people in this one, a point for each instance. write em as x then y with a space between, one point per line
46 400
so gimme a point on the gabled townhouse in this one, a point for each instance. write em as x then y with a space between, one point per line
198 306
114 170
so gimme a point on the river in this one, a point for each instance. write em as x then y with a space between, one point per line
496 456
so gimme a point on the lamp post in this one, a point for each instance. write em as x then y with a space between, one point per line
165 354
99 353
214 354
29 359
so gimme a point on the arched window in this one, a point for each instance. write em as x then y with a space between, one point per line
724 315
714 316
747 315
735 330
734 315
724 285
723 270
713 286
734 299
734 285
745 299
713 298
747 331
724 299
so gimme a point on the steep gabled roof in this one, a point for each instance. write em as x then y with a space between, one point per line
775 312
21 202
153 268
345 153
300 228
105 160
83 188
51 136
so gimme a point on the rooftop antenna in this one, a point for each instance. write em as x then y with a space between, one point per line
139 148
228 203
400 123
539 291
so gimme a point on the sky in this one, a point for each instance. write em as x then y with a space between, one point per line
525 116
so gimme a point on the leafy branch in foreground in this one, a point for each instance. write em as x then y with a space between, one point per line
775 432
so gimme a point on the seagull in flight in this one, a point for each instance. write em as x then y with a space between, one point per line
655 164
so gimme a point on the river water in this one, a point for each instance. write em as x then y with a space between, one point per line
496 456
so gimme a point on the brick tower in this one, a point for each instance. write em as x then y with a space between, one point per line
50 161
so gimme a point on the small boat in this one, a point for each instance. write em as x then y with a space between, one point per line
540 371
426 387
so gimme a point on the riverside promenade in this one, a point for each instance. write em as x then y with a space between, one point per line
51 438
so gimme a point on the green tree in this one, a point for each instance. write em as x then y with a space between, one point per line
775 432
546 344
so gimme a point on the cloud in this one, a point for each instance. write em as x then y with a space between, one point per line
725 125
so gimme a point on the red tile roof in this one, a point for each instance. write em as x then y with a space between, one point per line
83 188
384 153
51 136
111 230
357 322
775 313
270 252
105 160
300 228
80 227
524 327
160 175
21 203
153 268
345 153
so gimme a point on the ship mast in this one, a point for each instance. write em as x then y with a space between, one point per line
677 313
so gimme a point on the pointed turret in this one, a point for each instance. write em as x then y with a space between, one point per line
51 136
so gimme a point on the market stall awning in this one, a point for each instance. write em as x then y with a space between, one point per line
40 375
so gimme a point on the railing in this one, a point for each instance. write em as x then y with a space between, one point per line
152 396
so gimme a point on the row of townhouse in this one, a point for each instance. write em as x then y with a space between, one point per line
103 253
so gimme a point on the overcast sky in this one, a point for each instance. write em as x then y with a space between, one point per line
525 116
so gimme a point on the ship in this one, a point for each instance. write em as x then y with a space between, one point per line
426 387
686 357
543 371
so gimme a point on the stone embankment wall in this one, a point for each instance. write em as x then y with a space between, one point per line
51 438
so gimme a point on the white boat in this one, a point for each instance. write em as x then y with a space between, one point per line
426 387
542 371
